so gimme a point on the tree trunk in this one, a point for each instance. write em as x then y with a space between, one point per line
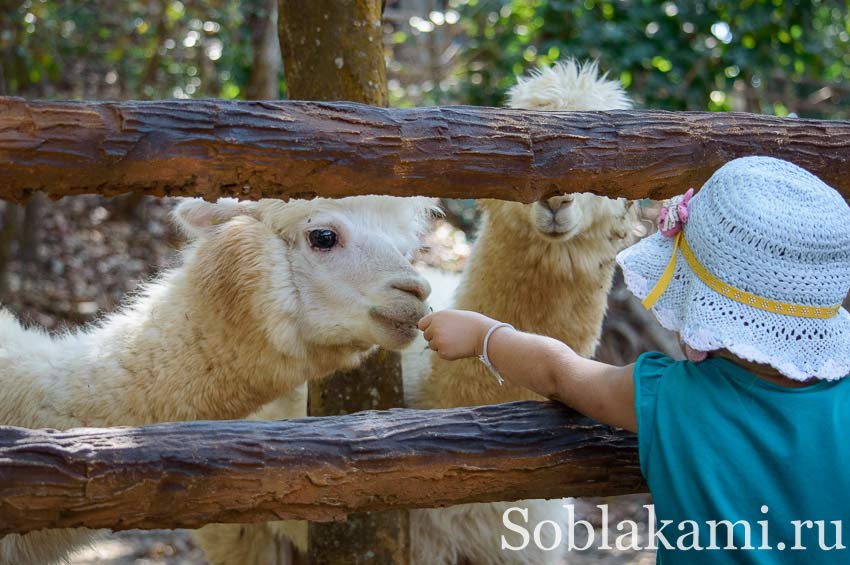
28 241
375 537
187 474
266 63
333 50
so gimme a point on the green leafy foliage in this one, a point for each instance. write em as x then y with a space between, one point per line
774 56
127 49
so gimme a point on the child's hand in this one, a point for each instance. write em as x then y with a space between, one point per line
455 334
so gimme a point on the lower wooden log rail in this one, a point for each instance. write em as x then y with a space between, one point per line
184 475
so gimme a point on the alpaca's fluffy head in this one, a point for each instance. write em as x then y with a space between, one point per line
568 85
571 216
572 86
322 272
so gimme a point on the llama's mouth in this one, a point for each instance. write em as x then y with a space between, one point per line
558 231
557 226
401 329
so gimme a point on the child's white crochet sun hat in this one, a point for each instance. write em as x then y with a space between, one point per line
757 262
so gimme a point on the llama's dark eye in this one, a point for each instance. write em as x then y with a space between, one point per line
322 239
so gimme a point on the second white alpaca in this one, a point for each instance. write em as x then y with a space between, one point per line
546 268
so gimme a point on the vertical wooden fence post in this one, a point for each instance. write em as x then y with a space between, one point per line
333 51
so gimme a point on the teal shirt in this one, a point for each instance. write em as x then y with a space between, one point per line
719 443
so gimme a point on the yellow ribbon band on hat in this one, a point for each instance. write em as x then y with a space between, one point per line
729 291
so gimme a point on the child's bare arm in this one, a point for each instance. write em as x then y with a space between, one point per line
544 365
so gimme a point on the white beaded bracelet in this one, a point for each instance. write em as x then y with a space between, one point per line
486 358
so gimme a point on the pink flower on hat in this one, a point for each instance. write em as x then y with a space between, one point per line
674 214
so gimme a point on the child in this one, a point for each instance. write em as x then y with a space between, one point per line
744 446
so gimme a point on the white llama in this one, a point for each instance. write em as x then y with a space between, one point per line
269 294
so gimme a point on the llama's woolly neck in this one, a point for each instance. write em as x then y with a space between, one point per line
556 288
168 356
511 277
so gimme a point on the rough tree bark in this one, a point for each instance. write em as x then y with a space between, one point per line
28 238
264 83
365 537
333 50
188 474
215 148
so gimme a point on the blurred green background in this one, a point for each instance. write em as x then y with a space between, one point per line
771 56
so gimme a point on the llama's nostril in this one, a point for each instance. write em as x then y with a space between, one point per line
555 203
418 287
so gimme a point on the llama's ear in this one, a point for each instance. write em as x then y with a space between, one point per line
197 217
644 214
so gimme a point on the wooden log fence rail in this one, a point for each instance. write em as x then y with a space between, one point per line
248 149
184 475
